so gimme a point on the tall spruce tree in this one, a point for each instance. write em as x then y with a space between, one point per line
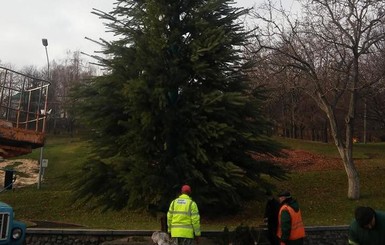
176 107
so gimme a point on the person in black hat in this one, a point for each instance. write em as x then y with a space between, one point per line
271 217
291 230
368 227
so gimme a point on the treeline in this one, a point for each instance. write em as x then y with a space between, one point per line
295 114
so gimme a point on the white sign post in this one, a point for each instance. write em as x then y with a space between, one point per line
43 165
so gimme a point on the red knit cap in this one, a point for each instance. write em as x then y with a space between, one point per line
186 189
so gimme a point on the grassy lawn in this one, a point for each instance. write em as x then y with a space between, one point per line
321 194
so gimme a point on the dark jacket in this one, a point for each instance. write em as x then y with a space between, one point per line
271 217
362 236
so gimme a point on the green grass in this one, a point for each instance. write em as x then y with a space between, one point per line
321 194
311 146
360 150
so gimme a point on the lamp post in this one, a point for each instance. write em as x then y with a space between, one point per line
45 44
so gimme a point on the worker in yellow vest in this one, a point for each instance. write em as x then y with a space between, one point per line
291 230
183 219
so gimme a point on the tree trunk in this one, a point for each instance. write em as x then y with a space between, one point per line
345 151
351 171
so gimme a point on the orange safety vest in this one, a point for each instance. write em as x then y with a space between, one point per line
297 229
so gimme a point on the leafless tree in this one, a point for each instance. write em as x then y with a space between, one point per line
326 45
65 74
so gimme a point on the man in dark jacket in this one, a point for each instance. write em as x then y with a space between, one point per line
368 227
291 230
271 218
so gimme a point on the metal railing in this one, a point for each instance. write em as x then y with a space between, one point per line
23 100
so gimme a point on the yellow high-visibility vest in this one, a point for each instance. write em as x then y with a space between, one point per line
183 218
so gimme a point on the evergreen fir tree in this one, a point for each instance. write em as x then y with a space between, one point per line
176 108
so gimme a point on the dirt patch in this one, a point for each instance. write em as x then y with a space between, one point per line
302 161
26 171
299 160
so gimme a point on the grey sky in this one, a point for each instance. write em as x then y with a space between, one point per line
65 23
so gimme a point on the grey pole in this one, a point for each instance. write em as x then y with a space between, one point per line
45 44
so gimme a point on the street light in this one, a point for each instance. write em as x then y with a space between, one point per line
45 44
44 41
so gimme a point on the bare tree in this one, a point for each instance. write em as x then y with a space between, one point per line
65 74
327 45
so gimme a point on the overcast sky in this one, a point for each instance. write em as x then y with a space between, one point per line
64 23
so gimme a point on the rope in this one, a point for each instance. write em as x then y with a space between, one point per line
10 184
